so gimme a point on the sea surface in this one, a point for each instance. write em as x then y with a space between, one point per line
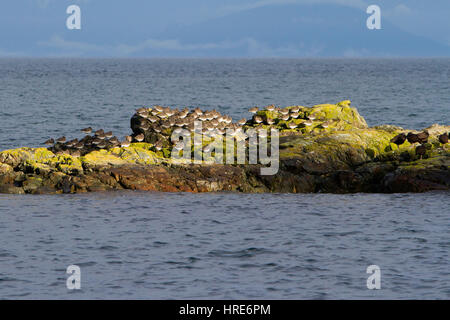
145 245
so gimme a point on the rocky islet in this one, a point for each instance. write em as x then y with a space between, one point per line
323 148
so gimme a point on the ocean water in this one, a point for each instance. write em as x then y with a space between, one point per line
219 245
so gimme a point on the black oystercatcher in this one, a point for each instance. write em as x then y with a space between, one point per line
399 139
423 136
421 150
412 138
443 138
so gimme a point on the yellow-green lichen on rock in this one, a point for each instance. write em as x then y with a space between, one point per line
336 152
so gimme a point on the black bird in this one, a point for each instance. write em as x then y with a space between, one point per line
443 138
412 138
423 136
399 139
421 150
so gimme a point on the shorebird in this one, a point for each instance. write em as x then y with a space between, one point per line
114 140
258 119
292 125
270 121
159 108
87 130
128 138
295 109
285 117
61 140
98 132
307 123
79 145
253 110
242 121
108 134
153 119
325 124
294 115
139 137
398 139
412 138
270 108
284 111
443 138
159 145
312 117
50 142
101 145
423 136
71 143
421 150
101 136
125 144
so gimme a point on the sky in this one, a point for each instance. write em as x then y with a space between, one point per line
219 28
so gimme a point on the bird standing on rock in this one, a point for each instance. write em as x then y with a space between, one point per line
412 138
398 139
421 150
50 142
423 136
253 110
86 130
443 138
139 137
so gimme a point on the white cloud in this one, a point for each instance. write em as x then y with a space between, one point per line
398 11
249 46
6 53
83 47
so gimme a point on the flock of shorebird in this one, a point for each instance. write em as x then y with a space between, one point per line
99 140
421 138
163 121
158 119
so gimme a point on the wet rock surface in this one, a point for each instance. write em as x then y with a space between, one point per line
325 148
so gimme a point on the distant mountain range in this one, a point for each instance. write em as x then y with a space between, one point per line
301 30
290 30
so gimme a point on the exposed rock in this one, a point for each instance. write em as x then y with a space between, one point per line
334 152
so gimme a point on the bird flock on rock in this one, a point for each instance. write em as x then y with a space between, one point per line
99 140
163 120
420 138
160 122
